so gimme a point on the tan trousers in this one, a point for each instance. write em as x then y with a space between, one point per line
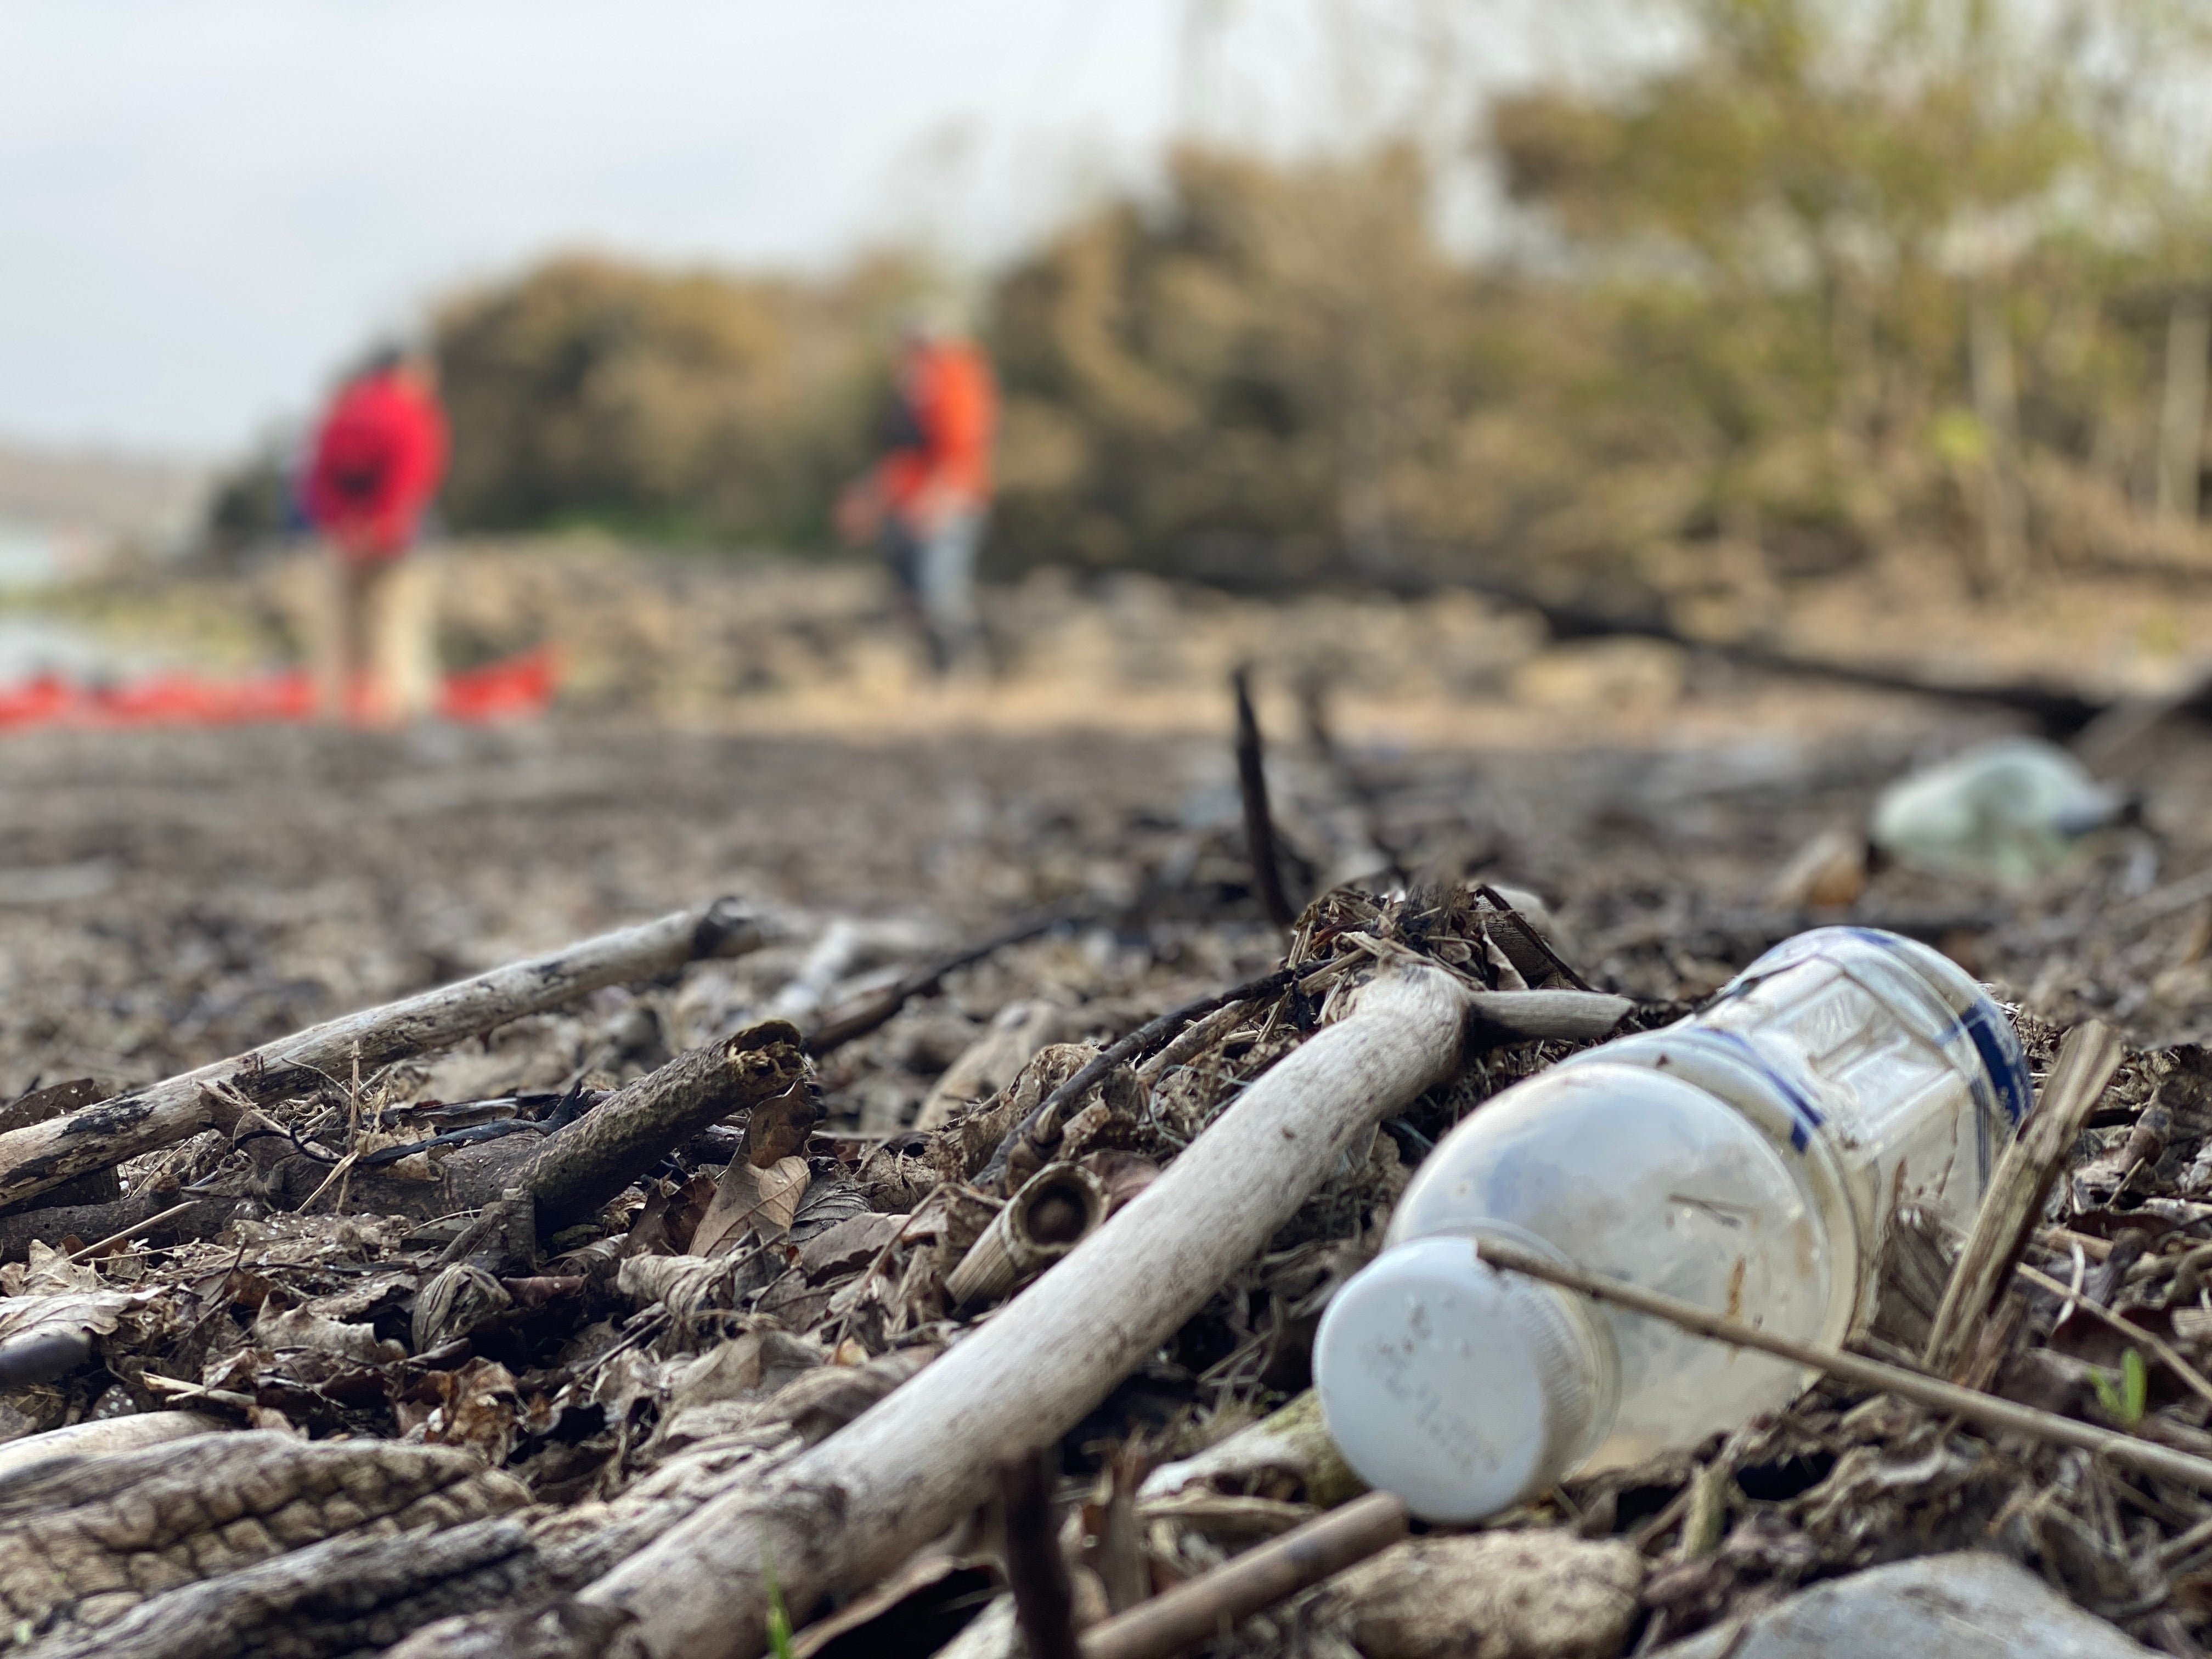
372 636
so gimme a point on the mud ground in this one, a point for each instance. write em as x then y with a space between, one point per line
170 896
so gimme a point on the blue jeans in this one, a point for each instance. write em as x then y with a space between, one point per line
936 574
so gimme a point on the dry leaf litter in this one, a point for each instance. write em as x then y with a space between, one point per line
383 1436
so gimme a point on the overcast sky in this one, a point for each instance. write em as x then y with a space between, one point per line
205 203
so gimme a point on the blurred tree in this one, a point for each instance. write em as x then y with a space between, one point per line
1237 380
682 406
1828 227
1825 281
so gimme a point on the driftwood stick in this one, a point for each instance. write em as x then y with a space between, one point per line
2087 1060
1258 818
104 1436
1571 1016
570 1176
1989 1412
39 1155
1188 1614
141 1215
1145 1038
850 1510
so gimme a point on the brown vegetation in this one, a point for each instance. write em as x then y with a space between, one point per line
1816 290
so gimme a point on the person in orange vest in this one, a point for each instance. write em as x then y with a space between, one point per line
373 470
926 500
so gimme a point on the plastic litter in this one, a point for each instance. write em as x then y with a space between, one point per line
2010 811
1749 1159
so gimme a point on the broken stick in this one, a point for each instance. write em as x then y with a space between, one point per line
850 1510
2013 1202
1044 1594
570 1176
1152 1032
40 1155
1259 817
1180 1618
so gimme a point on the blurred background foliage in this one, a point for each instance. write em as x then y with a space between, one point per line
1824 285
684 406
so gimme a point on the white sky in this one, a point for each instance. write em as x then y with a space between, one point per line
205 203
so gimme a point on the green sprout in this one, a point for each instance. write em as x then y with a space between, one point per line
779 1618
2123 1401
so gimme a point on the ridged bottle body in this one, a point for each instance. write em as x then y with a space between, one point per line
1747 1159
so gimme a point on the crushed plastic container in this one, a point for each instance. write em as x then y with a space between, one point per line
1747 1159
2009 811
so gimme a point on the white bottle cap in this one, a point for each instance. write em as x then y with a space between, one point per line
1459 1388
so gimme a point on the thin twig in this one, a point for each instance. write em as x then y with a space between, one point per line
2183 1545
176 1388
132 1231
2065 1238
836 1033
1197 1035
649 1328
2162 1350
1259 820
1535 937
1139 1042
339 1170
1653 1531
2005 1415
1263 1576
1036 1572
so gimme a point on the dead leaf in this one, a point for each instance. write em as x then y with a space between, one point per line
849 1244
778 1128
765 1199
45 1270
477 1409
43 1337
671 1219
300 1327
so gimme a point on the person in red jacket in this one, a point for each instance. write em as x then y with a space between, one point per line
375 466
927 499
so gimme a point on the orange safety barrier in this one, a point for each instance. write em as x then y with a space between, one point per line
513 688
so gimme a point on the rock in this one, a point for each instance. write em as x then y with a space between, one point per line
1494 1596
1967 1605
1285 1455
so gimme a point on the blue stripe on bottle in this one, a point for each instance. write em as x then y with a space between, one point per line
1805 1117
1987 1029
2000 1051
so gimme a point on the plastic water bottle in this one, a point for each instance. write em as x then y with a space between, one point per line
1747 1159
2009 811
